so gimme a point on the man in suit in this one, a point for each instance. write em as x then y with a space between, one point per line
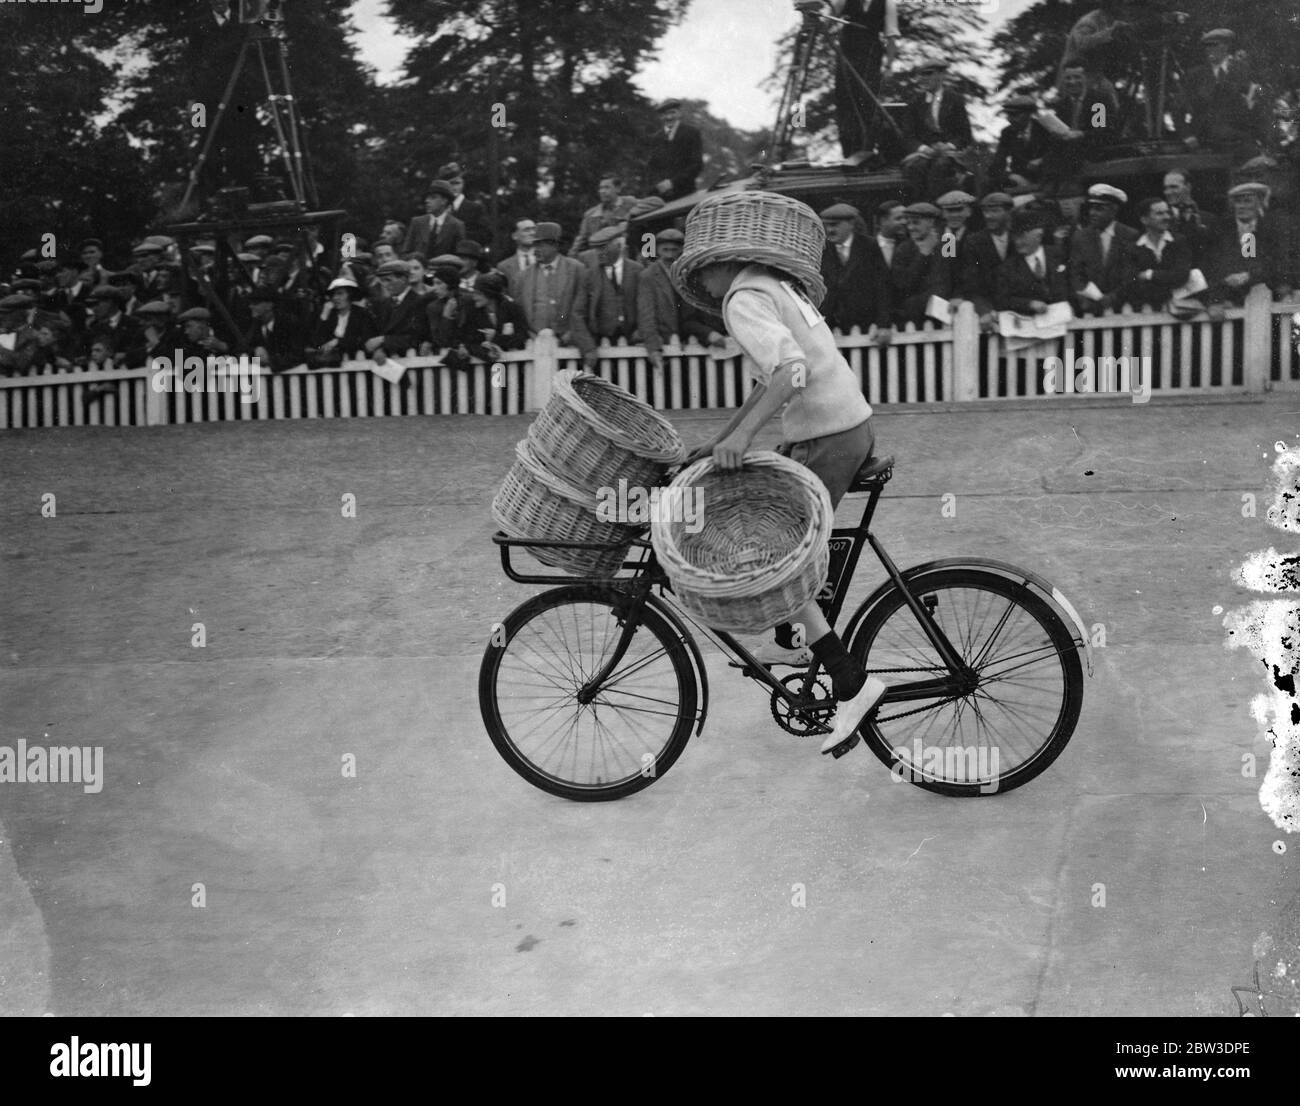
438 230
676 154
612 210
1186 220
937 131
1101 254
857 282
615 281
1161 260
108 319
274 336
522 259
986 250
920 270
1222 106
891 229
1033 275
470 212
400 316
554 294
1018 161
957 207
661 312
1244 251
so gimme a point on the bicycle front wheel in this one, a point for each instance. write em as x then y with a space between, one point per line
1020 713
604 742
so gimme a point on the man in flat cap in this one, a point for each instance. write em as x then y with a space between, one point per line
937 132
1018 160
986 251
867 45
615 282
159 335
1220 107
91 252
54 349
1033 275
401 317
109 319
555 293
470 212
437 230
1101 253
661 311
197 337
857 279
274 335
1244 251
676 154
920 269
614 208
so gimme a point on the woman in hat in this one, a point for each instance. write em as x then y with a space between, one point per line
448 310
766 284
495 321
344 330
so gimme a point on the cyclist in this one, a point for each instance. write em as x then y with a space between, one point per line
762 293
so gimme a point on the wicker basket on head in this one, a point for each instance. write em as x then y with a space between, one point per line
762 550
535 503
593 433
763 227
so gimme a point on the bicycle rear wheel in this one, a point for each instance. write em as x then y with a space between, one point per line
1020 714
631 729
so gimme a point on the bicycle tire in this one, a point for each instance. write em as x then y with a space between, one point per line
1056 641
563 669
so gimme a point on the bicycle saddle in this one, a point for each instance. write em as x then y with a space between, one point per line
874 473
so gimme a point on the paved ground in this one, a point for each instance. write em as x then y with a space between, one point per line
328 637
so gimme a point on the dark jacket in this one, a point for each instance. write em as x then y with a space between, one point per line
679 161
505 319
1168 272
916 277
1017 286
1218 115
1016 150
360 329
1111 275
404 325
420 240
283 343
611 312
954 123
857 293
980 271
662 313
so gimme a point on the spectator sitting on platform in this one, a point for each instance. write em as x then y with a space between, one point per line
1161 261
1089 112
159 334
676 154
344 330
1018 161
399 318
937 134
494 318
1101 254
132 284
986 251
615 280
146 256
857 281
612 210
273 336
1034 275
1220 105
197 338
920 270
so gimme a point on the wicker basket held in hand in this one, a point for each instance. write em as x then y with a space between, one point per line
763 227
762 551
593 433
535 503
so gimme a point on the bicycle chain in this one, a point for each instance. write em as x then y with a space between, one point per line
919 710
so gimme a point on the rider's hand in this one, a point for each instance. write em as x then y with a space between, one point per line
703 450
730 452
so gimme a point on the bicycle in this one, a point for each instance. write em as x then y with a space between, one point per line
571 661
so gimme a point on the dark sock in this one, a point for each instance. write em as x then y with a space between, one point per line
785 636
847 675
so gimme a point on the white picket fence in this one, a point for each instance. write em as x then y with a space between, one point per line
1254 349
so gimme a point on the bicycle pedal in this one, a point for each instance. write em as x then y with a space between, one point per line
845 746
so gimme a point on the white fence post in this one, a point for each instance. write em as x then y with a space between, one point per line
965 353
541 371
1256 343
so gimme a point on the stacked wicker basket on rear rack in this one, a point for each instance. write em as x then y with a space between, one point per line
588 437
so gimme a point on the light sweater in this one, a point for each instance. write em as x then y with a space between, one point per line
774 326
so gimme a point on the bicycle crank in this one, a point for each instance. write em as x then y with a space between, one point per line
812 711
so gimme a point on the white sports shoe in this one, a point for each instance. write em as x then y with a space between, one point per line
770 653
850 713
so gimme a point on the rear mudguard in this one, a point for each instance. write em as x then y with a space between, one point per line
1032 580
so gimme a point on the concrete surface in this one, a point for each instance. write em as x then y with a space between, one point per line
328 636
